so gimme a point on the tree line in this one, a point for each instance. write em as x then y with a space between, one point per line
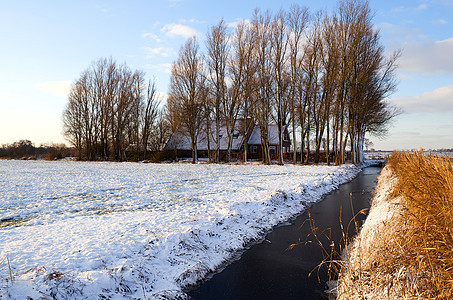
324 75
111 109
26 150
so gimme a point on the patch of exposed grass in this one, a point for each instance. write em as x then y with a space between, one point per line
407 251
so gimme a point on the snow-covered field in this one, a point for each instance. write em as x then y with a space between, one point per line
127 230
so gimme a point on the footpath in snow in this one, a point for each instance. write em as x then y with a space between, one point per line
126 230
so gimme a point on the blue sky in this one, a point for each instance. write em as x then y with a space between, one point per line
45 45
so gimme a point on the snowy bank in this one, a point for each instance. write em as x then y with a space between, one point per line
404 249
124 230
381 225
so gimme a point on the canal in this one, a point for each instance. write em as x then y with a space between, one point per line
270 271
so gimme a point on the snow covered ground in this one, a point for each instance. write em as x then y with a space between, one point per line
126 230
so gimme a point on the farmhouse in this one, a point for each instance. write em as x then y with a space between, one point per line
181 144
255 150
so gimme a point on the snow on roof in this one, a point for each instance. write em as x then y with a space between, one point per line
255 137
180 141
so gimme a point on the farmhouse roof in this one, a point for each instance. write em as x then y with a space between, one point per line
181 141
272 129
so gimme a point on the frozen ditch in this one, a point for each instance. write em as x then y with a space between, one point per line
92 230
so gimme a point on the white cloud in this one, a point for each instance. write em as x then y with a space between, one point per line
172 30
439 100
161 51
162 97
192 20
152 36
165 68
396 35
174 3
235 23
422 7
439 22
430 57
409 9
56 88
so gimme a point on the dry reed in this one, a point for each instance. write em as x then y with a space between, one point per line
409 254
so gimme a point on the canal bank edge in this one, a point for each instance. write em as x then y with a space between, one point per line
360 256
403 250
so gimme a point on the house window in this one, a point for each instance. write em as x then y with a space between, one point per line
253 149
285 137
235 135
272 149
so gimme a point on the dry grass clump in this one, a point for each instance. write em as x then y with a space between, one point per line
407 251
426 183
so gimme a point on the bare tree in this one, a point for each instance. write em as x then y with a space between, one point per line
328 78
72 120
308 107
297 20
217 56
186 85
330 61
262 107
243 69
241 73
279 56
106 111
150 117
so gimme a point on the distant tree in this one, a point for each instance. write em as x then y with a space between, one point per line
108 110
72 120
309 112
368 143
55 151
370 77
151 120
25 149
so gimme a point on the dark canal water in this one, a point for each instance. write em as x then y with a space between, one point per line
269 271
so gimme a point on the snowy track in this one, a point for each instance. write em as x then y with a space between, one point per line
87 230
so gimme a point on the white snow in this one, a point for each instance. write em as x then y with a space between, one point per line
127 230
272 131
383 222
182 142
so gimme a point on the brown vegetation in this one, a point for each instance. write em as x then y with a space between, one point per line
408 253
